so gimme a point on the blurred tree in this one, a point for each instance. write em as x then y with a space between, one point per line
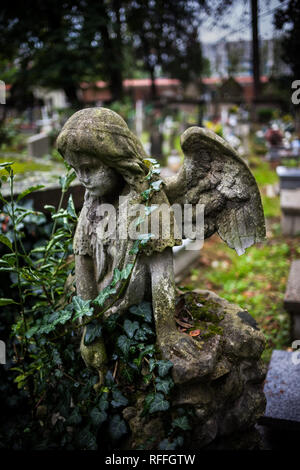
287 19
58 44
166 37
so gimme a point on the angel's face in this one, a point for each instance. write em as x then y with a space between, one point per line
97 178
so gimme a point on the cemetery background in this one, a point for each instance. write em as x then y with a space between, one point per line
257 280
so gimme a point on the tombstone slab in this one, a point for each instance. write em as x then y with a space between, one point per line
290 208
38 145
282 391
289 177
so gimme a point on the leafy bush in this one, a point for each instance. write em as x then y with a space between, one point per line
265 115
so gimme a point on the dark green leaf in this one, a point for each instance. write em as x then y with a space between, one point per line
164 385
29 190
4 301
117 427
124 344
87 440
104 294
130 327
5 241
156 185
164 367
93 331
159 404
82 307
71 208
98 416
118 399
182 423
143 310
75 417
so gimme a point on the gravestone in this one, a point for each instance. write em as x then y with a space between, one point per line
282 391
38 145
289 177
290 211
292 298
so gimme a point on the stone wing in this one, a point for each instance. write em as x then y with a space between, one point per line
213 174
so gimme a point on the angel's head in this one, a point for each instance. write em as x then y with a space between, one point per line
104 153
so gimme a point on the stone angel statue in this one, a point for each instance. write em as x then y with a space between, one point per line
110 162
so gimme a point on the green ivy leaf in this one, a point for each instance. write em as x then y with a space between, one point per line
130 327
164 367
135 248
159 404
103 402
182 423
164 385
143 333
124 343
75 417
126 271
148 400
143 310
93 331
152 364
104 294
146 194
98 416
117 427
118 399
82 307
156 185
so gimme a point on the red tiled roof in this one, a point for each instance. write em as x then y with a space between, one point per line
161 82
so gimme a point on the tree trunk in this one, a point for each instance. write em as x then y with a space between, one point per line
255 49
72 96
153 86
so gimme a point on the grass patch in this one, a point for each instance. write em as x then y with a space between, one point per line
256 281
22 166
263 173
271 206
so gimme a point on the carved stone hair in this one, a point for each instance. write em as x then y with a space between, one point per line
103 134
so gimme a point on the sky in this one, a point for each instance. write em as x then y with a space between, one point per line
239 18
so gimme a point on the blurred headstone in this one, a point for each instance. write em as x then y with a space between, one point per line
282 391
38 145
290 211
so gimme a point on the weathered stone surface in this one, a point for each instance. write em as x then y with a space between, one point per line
228 399
282 391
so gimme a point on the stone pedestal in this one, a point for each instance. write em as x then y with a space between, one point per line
227 398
